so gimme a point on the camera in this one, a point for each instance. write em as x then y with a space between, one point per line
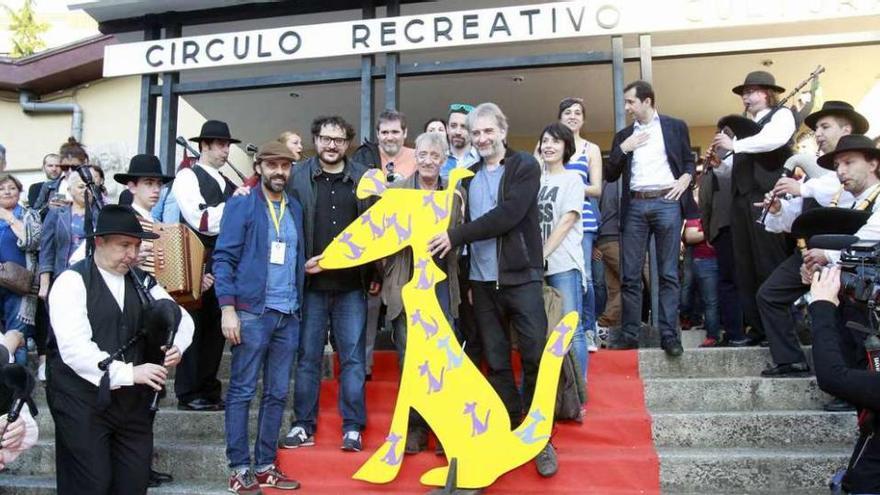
860 273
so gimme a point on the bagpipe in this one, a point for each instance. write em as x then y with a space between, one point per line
16 390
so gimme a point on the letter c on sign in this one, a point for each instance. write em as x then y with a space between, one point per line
607 16
150 51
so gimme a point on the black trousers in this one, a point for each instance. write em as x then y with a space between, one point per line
196 376
781 289
758 253
728 299
41 327
467 325
523 307
102 452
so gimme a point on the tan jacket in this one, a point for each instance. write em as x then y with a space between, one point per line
399 268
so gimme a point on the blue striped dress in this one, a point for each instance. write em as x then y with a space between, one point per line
580 163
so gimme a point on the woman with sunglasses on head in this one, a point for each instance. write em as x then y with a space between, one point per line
587 162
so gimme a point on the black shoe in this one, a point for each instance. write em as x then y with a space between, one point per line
416 440
673 348
786 370
157 478
623 344
839 405
743 342
201 405
546 461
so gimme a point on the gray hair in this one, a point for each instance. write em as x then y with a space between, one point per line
434 140
488 110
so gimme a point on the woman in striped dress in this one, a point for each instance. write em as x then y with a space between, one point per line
587 162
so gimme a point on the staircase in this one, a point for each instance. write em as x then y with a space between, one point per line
719 427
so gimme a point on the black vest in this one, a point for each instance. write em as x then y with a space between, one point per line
111 328
213 196
757 173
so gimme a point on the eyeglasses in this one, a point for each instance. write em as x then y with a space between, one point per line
326 140
461 107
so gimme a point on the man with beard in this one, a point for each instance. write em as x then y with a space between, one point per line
325 186
258 263
784 286
506 262
396 160
201 193
461 153
754 167
52 169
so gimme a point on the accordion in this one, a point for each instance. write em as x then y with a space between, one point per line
179 261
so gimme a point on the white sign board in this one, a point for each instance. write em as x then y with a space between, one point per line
466 28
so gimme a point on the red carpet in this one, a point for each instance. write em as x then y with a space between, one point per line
611 453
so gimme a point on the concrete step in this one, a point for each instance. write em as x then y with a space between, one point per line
759 429
770 470
45 485
718 362
733 394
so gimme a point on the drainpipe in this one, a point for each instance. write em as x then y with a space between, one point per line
76 126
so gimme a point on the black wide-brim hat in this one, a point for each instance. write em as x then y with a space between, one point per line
759 78
142 166
851 142
215 129
120 220
840 221
842 109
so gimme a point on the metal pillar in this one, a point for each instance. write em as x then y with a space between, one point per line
167 146
646 70
617 81
147 120
368 96
392 60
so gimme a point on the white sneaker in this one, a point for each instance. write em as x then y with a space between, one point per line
601 335
41 372
591 343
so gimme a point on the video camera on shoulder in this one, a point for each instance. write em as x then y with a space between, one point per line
860 271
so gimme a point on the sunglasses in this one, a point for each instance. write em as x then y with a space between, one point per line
461 107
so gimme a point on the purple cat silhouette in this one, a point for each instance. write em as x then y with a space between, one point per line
376 230
527 435
423 282
430 328
477 427
439 213
556 349
402 233
356 251
434 384
378 186
392 458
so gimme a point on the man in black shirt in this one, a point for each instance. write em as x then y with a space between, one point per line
325 185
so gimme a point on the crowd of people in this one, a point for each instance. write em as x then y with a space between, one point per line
723 225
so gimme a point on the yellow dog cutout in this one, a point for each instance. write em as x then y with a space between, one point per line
438 380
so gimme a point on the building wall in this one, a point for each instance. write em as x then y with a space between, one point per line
111 109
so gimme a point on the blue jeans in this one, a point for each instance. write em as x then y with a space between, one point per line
569 284
268 344
690 304
706 275
347 315
588 302
10 303
662 217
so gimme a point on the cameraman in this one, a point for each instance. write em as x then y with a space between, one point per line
860 387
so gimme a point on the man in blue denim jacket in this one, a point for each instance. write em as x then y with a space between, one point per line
258 266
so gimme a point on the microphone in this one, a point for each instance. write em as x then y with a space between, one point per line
834 242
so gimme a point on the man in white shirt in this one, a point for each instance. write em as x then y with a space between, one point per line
654 160
755 166
103 425
784 286
201 192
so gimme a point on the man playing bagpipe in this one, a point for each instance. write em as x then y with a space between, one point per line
115 332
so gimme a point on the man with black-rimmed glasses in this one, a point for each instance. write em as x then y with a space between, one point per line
325 186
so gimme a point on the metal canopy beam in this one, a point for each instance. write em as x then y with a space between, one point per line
392 62
533 61
147 119
368 96
170 100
